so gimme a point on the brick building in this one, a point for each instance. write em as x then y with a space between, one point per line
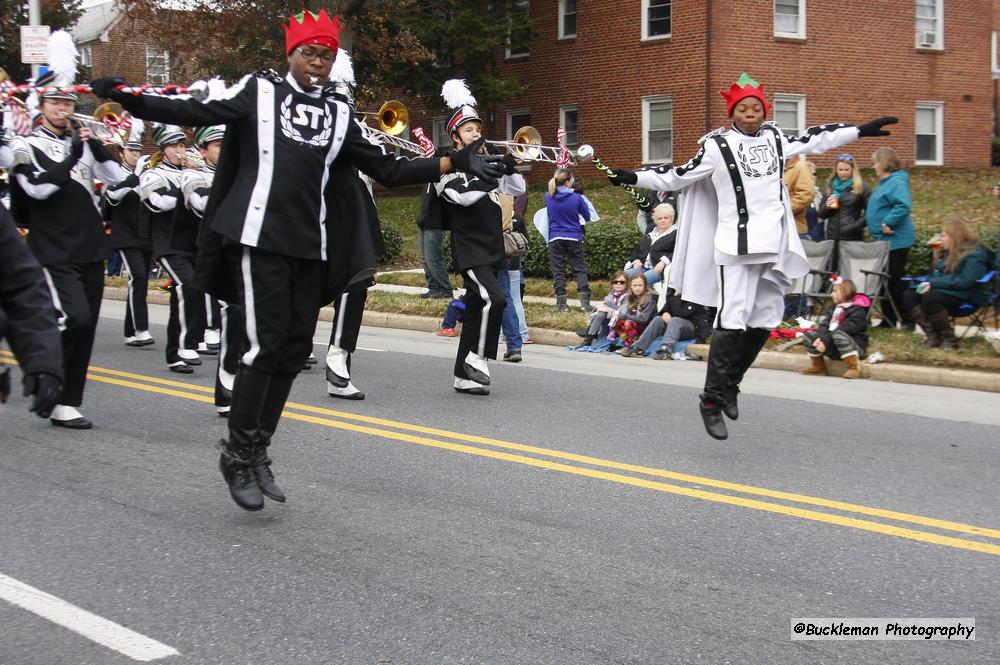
640 81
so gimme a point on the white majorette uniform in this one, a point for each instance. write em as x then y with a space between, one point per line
160 191
738 248
53 195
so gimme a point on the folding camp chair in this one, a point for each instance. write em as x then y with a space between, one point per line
865 264
819 255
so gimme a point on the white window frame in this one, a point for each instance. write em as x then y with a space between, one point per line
153 52
938 44
800 32
800 109
86 56
938 108
646 103
562 14
562 123
514 56
994 51
645 23
439 132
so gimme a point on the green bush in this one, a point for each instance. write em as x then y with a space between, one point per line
606 246
393 240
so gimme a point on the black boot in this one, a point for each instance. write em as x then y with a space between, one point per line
751 342
237 470
933 340
722 355
270 415
250 389
940 322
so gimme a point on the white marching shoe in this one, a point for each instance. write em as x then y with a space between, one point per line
212 338
224 392
338 372
347 392
140 338
475 367
70 417
470 387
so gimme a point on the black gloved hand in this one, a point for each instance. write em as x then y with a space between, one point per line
488 168
874 127
46 388
509 164
623 177
105 86
76 147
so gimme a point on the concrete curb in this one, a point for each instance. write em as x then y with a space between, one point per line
790 362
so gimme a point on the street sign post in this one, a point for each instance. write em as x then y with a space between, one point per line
34 41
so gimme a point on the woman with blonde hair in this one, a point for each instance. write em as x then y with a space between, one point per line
844 201
565 207
960 261
888 218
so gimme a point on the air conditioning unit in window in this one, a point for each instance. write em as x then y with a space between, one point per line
927 39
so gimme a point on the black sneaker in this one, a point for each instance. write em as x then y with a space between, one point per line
513 356
633 352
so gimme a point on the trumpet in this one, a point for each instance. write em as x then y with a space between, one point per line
527 147
109 123
393 118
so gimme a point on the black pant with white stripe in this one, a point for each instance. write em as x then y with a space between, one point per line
136 263
213 312
186 325
76 291
349 309
484 303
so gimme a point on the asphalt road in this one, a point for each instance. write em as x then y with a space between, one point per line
577 515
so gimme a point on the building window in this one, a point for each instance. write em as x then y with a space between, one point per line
439 132
929 24
157 65
85 56
567 120
929 122
995 52
790 113
567 18
655 19
790 18
657 130
516 119
519 35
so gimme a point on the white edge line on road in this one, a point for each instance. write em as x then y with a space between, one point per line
100 630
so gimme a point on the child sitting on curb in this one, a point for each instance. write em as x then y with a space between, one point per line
844 334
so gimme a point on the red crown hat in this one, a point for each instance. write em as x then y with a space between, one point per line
308 28
743 88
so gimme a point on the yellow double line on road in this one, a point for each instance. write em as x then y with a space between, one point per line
602 469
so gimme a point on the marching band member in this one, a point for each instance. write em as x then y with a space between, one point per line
740 228
269 248
53 194
196 185
160 191
474 211
130 237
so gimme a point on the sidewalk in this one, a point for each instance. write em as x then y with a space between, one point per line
792 362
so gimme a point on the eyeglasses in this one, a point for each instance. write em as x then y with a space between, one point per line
845 158
326 57
618 281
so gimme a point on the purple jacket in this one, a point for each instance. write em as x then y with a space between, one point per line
565 209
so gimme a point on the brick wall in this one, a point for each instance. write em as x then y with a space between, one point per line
857 62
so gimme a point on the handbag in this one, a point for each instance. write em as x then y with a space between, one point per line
515 243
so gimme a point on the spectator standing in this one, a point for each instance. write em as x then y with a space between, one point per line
565 208
432 227
888 218
845 199
799 181
960 261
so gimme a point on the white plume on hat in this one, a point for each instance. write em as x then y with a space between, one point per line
457 94
136 130
343 69
62 56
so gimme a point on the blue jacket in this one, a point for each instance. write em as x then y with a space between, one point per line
890 204
963 281
565 209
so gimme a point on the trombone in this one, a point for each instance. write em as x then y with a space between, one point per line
527 147
393 119
108 123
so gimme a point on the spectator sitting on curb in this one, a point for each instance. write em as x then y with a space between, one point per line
600 319
636 312
454 313
678 320
844 334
